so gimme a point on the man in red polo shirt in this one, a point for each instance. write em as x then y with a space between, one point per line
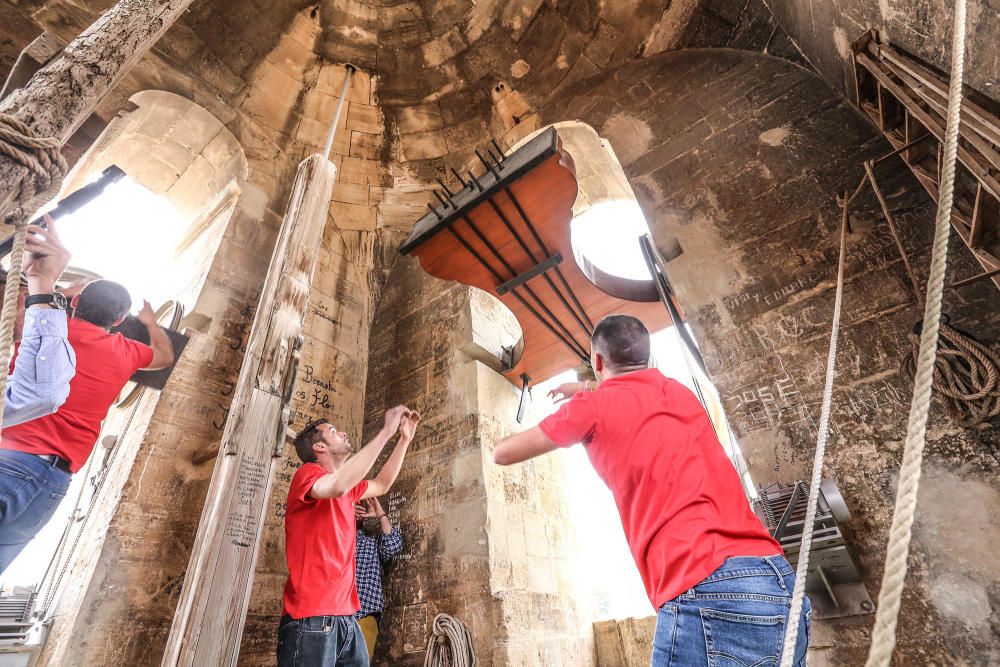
720 582
56 445
317 625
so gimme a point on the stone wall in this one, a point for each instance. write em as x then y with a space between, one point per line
487 545
740 157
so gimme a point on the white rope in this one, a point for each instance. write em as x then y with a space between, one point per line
802 569
894 577
450 644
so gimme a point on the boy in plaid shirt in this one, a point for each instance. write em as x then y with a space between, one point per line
373 549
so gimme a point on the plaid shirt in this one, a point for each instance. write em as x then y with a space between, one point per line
370 553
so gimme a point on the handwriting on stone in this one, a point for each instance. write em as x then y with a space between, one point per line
766 404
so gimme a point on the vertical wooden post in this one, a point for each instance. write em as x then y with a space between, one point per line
211 612
63 94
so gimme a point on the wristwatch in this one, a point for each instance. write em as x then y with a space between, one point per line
54 299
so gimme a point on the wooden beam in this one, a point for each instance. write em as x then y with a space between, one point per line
211 612
63 94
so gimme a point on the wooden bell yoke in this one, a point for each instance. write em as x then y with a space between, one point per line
508 232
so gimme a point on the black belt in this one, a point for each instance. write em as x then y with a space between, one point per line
57 462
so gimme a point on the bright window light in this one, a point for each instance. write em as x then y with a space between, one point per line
608 236
128 235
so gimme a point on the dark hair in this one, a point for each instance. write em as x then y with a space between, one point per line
622 340
102 303
306 438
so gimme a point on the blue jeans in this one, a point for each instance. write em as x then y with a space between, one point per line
30 491
734 618
321 641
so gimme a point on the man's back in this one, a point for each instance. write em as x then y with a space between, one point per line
105 362
681 501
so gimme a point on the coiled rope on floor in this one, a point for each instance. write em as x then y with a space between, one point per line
450 644
966 377
894 577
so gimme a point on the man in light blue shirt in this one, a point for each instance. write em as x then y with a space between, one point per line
40 382
46 362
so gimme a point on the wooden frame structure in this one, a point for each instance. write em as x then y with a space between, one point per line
907 101
508 232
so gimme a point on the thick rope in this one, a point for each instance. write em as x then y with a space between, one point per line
46 168
809 523
8 315
894 577
966 377
450 644
42 158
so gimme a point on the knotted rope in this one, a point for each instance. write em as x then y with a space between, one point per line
450 644
8 315
894 577
42 158
46 168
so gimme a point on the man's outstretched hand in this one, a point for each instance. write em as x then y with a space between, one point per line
367 509
566 391
393 416
45 257
408 425
146 315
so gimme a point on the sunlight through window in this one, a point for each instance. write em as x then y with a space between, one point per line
128 235
608 236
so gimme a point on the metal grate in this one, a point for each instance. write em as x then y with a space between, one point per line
833 582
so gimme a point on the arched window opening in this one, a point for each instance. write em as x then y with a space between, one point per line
156 231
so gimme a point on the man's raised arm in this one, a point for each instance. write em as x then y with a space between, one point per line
163 349
336 484
390 471
46 361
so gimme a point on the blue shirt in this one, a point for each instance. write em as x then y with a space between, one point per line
370 553
45 365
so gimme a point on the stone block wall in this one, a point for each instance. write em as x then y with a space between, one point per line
484 544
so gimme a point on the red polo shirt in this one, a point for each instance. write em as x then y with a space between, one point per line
104 363
680 499
319 548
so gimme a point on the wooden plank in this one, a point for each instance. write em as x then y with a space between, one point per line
974 116
208 624
971 162
63 94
